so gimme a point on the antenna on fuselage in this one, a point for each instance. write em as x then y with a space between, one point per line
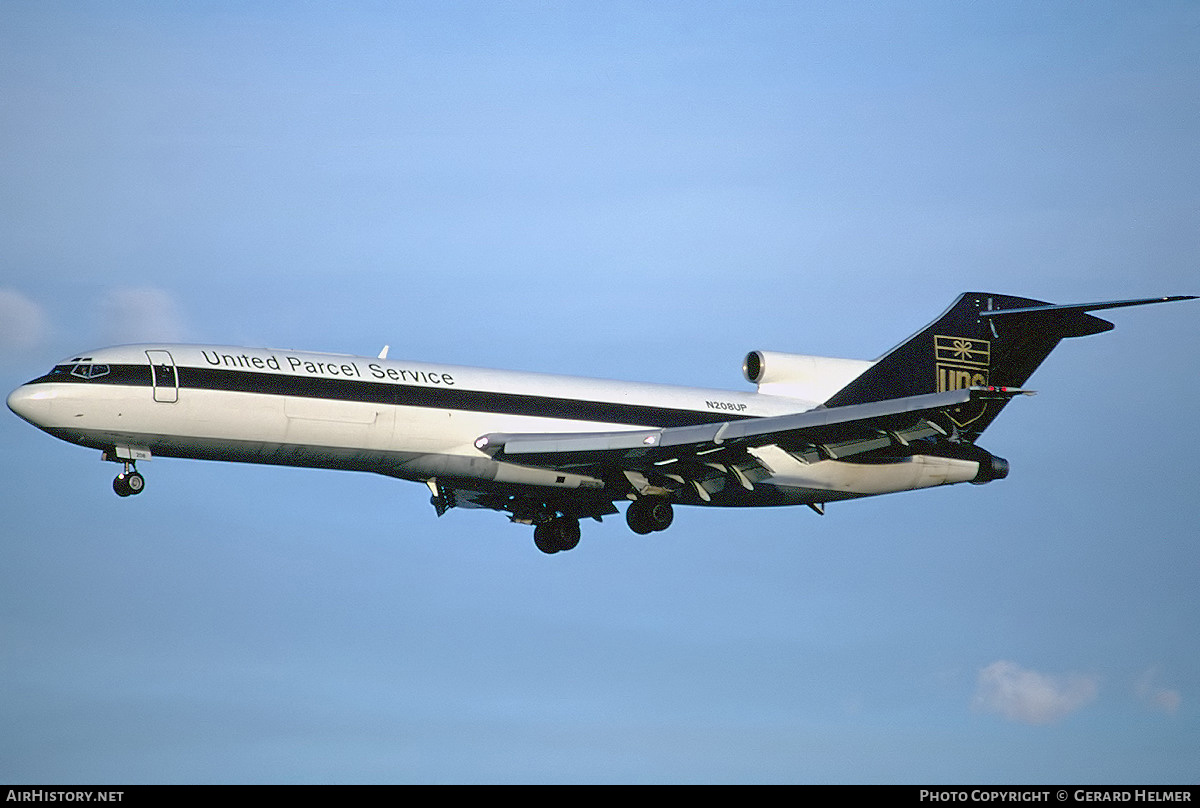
383 353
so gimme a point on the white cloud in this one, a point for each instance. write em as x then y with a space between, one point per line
1154 695
22 323
1030 697
141 314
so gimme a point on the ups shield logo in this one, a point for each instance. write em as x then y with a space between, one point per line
961 362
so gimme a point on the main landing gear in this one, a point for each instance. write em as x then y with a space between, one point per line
129 482
645 515
559 534
649 514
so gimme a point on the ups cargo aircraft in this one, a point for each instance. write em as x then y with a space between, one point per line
551 450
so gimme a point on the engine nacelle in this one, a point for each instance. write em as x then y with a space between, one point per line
990 468
811 378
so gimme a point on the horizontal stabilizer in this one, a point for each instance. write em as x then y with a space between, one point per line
1071 319
1082 307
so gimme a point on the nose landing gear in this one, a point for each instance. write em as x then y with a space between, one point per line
129 482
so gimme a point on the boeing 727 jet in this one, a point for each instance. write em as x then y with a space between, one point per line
552 450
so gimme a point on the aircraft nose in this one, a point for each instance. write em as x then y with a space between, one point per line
30 403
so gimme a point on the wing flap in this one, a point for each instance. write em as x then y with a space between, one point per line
821 433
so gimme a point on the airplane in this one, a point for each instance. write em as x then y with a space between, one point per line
551 450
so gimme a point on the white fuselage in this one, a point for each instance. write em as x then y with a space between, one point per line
412 420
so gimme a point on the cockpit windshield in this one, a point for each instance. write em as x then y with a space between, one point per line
81 370
87 371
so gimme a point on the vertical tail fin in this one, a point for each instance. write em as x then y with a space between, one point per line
982 339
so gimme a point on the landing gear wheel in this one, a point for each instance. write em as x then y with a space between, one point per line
129 483
568 533
637 520
648 514
557 535
543 540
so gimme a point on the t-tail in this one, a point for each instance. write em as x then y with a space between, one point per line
982 340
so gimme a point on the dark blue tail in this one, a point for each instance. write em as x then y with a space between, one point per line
983 339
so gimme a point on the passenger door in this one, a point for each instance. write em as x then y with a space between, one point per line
164 376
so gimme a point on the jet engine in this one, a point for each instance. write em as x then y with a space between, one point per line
991 467
811 378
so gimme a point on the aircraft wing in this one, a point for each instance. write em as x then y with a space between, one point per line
689 453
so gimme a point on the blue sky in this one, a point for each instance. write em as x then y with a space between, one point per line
625 190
